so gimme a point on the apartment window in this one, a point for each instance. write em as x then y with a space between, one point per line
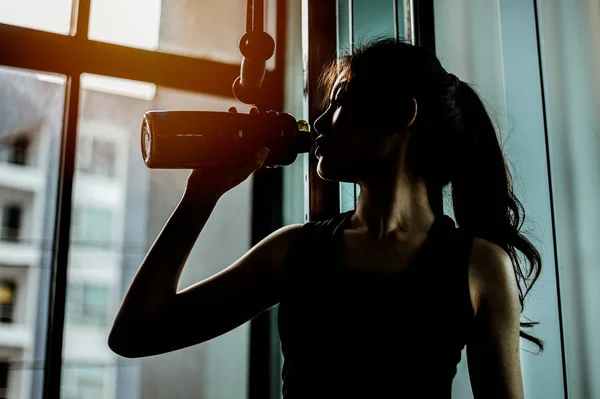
103 158
4 369
96 156
19 153
83 382
88 304
5 152
92 227
15 151
11 223
7 301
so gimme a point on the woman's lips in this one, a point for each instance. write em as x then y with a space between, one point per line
321 144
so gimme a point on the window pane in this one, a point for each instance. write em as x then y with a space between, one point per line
119 207
205 29
92 227
48 15
31 112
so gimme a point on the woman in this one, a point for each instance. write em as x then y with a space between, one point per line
377 302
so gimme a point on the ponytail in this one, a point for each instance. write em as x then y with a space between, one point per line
482 192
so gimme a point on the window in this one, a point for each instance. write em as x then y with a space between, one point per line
51 16
7 301
83 381
92 227
176 26
11 223
88 304
19 155
103 158
96 156
15 151
4 369
156 44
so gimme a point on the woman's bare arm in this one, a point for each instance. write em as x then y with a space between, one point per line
154 318
493 353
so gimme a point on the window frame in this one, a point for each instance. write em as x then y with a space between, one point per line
73 55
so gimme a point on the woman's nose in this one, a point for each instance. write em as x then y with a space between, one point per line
323 123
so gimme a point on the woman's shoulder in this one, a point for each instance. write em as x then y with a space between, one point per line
491 272
296 241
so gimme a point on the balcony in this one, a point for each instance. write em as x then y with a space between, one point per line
21 177
15 335
19 253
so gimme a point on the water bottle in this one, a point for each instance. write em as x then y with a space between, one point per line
195 139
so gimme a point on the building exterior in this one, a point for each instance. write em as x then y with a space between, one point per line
30 118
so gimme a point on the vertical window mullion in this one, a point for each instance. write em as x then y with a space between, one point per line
424 28
81 16
62 225
60 248
396 21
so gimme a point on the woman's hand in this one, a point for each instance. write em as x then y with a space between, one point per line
213 182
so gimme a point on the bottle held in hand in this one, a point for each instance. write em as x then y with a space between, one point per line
198 139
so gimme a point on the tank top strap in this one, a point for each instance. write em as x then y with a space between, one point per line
453 261
465 246
311 249
452 243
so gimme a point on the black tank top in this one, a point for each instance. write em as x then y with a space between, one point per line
348 333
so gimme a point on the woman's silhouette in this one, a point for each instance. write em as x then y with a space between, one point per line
377 302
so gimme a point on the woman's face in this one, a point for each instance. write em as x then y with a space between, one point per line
347 149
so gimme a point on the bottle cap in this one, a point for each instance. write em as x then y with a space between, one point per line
303 126
304 138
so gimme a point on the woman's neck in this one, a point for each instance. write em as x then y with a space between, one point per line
398 205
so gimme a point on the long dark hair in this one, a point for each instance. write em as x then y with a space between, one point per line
455 143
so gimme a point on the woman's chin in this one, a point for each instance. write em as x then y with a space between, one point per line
324 169
327 170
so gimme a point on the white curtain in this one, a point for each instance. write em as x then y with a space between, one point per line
494 44
571 61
